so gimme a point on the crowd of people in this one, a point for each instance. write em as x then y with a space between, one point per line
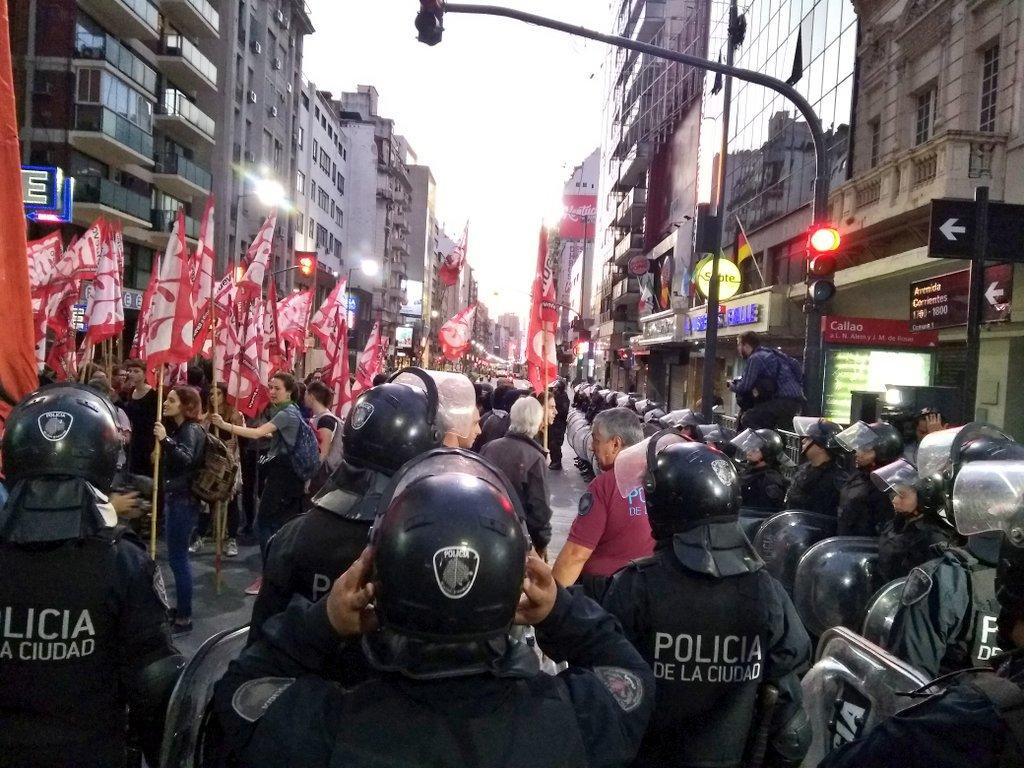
401 563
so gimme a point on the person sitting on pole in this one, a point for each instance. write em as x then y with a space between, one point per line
771 391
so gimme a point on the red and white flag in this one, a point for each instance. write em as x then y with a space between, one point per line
457 334
371 361
226 345
337 374
247 389
142 324
325 321
106 303
203 282
79 261
258 257
171 315
43 255
272 343
541 359
293 316
454 260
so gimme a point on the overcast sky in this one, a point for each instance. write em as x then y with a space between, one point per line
500 111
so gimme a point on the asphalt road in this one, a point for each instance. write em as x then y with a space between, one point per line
226 606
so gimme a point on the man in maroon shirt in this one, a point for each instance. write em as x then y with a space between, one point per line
609 531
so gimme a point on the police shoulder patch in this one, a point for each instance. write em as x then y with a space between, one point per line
586 503
253 699
159 588
919 584
625 687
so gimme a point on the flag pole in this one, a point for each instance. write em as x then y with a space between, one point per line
547 390
219 507
156 464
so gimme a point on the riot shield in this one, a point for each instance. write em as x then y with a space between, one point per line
834 582
186 728
853 686
785 537
882 610
752 518
580 440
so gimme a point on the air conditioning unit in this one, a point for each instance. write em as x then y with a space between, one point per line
276 63
252 97
272 111
250 156
288 87
279 15
256 47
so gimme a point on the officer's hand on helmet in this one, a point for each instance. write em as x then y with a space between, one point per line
539 592
126 504
349 606
160 431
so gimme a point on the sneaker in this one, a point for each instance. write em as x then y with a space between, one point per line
254 588
231 548
178 628
196 547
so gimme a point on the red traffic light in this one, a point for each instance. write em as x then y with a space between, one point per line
306 264
824 239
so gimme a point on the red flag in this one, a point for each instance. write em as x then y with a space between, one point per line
325 320
247 389
43 255
226 345
272 344
457 334
455 259
106 305
79 261
371 361
541 360
258 257
142 324
293 316
337 377
203 282
171 314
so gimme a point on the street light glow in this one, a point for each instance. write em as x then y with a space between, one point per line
369 267
269 191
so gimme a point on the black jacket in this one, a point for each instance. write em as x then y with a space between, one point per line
523 462
905 544
863 509
181 453
816 489
763 488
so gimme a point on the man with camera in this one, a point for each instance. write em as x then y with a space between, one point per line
771 391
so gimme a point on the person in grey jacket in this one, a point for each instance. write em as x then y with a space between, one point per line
523 461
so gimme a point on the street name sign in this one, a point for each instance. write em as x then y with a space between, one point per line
952 230
941 302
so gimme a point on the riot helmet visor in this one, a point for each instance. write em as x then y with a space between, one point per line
857 437
989 496
894 478
631 465
747 442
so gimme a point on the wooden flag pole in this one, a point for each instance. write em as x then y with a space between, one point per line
156 465
547 389
219 510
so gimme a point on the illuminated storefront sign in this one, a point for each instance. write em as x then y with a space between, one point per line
47 195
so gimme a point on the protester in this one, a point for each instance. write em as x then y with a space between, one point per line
771 392
556 433
318 401
195 376
497 421
181 453
220 405
141 407
610 529
522 459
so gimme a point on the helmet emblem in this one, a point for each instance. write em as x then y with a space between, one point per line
455 569
361 415
55 425
724 471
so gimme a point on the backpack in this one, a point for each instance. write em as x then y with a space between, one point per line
333 459
767 386
214 480
305 454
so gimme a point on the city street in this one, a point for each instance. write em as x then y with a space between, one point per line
217 610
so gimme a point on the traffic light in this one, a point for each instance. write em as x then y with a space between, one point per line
306 264
823 242
429 22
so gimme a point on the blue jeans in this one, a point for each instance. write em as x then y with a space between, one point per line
181 513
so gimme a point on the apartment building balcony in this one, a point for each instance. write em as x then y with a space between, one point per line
89 50
138 19
625 290
181 178
163 222
613 324
193 17
384 188
182 120
110 137
629 246
634 165
96 196
642 19
949 165
399 170
400 221
631 208
180 60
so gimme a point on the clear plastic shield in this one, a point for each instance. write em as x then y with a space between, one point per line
881 612
471 468
683 417
934 454
857 437
456 399
894 478
783 539
989 496
631 464
802 424
834 582
747 441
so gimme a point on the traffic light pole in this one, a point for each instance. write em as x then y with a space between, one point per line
819 200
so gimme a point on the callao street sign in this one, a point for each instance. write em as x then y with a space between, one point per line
941 302
952 230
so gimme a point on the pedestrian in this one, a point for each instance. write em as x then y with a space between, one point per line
433 605
761 454
817 482
556 433
85 632
705 614
611 529
522 459
281 497
771 391
195 377
318 401
863 509
141 407
219 404
550 414
182 443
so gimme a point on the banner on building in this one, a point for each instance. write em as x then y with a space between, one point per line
580 218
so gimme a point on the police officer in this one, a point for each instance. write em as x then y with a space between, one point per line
919 525
760 453
433 607
978 717
714 625
685 422
388 425
83 612
947 614
863 509
816 484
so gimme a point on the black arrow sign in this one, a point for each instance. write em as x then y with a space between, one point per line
951 232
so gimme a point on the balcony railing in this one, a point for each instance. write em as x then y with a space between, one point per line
120 57
97 190
175 103
93 117
628 245
145 10
163 221
182 166
207 11
176 45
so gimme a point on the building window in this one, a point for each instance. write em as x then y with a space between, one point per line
300 182
989 86
875 127
312 226
302 137
925 117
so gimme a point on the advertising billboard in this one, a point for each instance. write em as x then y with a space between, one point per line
413 306
869 370
580 219
403 337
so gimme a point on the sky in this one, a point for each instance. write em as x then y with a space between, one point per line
501 112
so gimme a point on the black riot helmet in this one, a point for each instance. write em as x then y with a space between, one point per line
392 423
881 437
686 483
64 430
900 475
450 556
612 398
766 441
820 432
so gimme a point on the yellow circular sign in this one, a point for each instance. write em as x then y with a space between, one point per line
728 277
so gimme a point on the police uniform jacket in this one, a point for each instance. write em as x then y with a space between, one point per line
763 488
906 544
816 489
714 625
863 509
277 710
